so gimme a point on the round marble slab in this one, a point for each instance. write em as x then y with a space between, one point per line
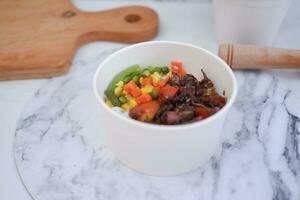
61 153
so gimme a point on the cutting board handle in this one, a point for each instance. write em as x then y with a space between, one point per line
240 56
126 24
43 44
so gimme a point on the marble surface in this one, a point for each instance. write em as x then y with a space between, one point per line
60 147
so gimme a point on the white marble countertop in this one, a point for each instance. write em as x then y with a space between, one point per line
15 94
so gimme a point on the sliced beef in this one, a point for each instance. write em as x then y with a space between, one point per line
173 117
175 81
191 94
188 80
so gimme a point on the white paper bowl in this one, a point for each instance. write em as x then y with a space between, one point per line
159 149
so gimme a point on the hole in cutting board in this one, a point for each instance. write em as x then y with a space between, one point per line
69 14
132 18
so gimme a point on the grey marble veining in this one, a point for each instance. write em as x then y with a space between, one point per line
61 152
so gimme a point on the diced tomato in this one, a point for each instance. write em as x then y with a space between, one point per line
157 89
128 87
218 99
132 89
177 63
145 111
146 81
144 98
161 83
167 92
136 92
177 67
215 100
203 112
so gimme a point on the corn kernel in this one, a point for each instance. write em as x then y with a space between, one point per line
125 106
123 99
155 77
109 103
132 103
146 89
120 84
128 97
124 92
141 80
118 91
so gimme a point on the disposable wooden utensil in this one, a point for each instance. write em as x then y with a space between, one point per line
240 56
39 38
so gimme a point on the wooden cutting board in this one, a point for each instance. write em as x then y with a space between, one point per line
38 38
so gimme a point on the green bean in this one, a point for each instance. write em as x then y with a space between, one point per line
151 69
122 75
154 94
158 69
146 73
136 79
112 98
165 70
129 77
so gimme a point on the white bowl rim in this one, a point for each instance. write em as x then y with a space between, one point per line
158 126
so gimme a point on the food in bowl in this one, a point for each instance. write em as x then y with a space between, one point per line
165 95
163 150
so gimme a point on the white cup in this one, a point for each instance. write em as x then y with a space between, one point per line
249 21
159 149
